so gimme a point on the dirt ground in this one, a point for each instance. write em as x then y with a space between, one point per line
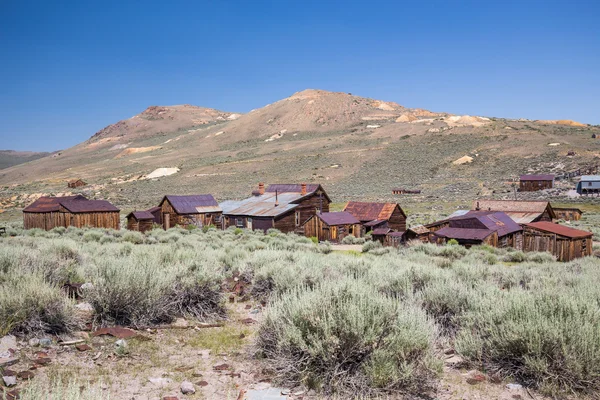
217 361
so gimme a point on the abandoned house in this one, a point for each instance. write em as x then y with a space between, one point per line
332 226
532 183
563 242
417 232
143 221
482 227
395 239
197 210
522 212
568 214
75 183
378 216
77 211
589 184
281 206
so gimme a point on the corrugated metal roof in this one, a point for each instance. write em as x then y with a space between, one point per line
419 229
547 177
462 233
50 204
85 206
494 221
141 215
282 188
381 231
193 204
262 206
338 218
396 234
371 211
560 229
375 222
593 178
515 206
457 213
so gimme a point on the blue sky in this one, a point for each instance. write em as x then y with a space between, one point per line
69 68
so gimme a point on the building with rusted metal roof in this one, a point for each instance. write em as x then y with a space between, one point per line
50 212
564 243
196 210
533 183
482 227
521 211
281 206
374 216
332 226
417 232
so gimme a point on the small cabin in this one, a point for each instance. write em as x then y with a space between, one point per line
475 228
418 232
589 185
533 183
395 239
196 210
332 226
568 214
77 211
143 221
564 243
76 183
380 216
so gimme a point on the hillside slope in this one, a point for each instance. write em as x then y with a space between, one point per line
359 148
9 158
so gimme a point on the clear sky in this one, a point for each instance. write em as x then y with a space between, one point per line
69 68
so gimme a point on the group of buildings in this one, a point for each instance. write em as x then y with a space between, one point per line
588 185
304 209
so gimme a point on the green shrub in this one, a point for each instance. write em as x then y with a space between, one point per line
452 242
346 337
515 256
92 236
371 245
133 237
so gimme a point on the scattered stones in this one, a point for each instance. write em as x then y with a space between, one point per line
170 398
454 361
221 367
180 323
117 331
45 342
202 383
83 347
71 342
187 387
42 361
248 306
9 372
25 375
197 374
248 321
9 380
160 381
34 342
8 361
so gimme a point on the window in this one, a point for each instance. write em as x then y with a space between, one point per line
239 222
297 218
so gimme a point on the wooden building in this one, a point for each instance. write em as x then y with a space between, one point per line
568 214
197 210
522 212
418 232
405 191
532 183
332 226
281 206
143 221
75 183
563 242
395 239
589 185
77 211
378 215
483 227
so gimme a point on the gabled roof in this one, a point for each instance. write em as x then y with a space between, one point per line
141 215
567 209
588 178
519 210
536 177
193 204
375 222
87 206
396 234
560 230
418 229
464 234
493 221
372 211
381 231
338 218
50 204
311 188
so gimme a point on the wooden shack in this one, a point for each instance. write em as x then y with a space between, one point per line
75 183
520 211
332 226
533 183
77 211
143 221
374 216
418 232
564 243
405 191
568 214
197 210
395 239
281 206
483 227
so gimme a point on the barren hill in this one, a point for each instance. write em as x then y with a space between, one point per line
359 148
8 158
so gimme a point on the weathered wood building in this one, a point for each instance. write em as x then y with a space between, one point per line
75 183
378 216
522 212
77 211
332 226
533 183
483 227
197 210
143 221
417 232
589 185
564 243
568 214
281 206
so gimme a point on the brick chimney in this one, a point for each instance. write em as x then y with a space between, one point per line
303 191
276 199
261 188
